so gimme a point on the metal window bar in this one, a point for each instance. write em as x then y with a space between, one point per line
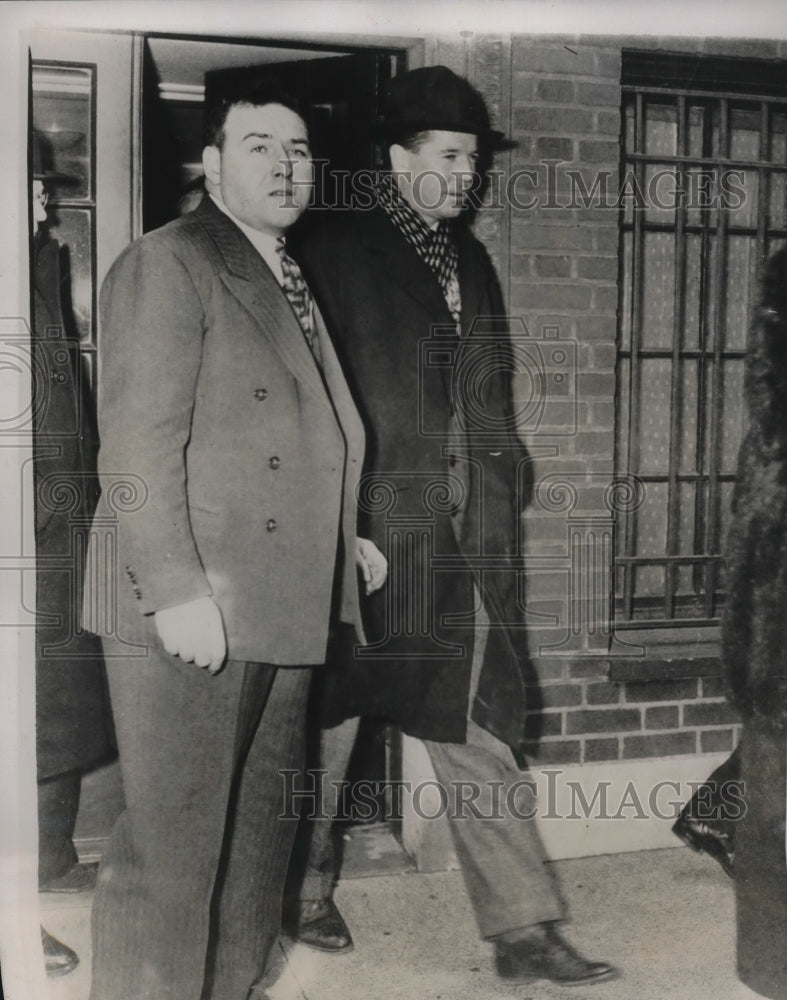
712 353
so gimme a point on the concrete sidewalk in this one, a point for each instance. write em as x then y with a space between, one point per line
665 917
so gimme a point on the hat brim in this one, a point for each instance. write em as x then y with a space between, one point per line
490 139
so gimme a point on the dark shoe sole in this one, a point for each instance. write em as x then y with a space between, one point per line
506 970
324 948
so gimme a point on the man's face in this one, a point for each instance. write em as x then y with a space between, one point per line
264 170
435 179
39 204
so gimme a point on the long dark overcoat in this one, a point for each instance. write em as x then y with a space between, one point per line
754 644
73 720
441 452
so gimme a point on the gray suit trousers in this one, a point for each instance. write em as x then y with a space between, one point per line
188 901
501 857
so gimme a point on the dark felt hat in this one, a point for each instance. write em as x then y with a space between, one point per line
42 161
434 97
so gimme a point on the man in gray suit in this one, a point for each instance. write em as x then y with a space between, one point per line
229 458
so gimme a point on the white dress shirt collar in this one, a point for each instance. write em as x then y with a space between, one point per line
265 244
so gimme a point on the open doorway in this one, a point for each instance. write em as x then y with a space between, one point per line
337 88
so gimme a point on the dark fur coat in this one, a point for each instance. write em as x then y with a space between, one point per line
754 630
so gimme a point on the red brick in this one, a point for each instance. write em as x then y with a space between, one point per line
526 236
540 724
604 356
555 148
677 690
561 695
588 666
662 717
597 750
599 151
597 328
550 669
555 119
596 94
602 720
608 63
708 714
554 91
552 266
602 694
606 239
716 740
603 268
554 751
596 384
608 123
605 298
712 687
555 296
540 58
661 745
602 415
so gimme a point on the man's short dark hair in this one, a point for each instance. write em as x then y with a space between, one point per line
224 89
410 140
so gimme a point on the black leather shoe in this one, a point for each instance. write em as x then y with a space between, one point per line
320 925
78 878
543 953
707 837
59 959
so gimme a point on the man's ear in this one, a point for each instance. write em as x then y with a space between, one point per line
211 164
400 161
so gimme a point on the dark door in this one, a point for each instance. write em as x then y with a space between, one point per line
339 95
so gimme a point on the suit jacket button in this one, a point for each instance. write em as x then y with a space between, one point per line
260 394
270 524
274 462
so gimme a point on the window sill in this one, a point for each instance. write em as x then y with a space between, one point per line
669 654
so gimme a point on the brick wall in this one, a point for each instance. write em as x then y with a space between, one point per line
557 253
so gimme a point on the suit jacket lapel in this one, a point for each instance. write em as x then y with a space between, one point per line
250 280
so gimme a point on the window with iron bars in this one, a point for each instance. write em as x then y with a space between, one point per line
703 204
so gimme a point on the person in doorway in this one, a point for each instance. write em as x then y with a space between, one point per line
73 720
73 731
230 453
418 317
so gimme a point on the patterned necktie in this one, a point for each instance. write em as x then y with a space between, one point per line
299 296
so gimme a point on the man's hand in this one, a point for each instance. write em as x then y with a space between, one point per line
195 632
372 562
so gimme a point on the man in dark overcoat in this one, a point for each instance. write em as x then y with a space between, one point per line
225 535
73 722
418 316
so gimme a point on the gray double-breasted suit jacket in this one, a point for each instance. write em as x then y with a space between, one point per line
229 459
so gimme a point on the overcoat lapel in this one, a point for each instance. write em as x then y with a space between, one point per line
250 280
403 266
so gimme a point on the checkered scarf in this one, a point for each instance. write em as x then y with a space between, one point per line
435 246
